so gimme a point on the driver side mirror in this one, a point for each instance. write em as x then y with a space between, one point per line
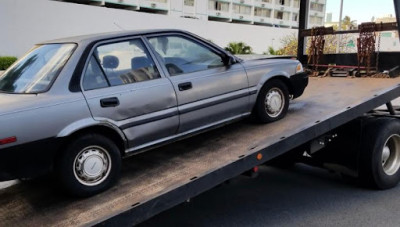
229 60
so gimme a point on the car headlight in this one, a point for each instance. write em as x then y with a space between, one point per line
299 68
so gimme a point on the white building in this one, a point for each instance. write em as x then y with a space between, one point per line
277 13
387 18
26 22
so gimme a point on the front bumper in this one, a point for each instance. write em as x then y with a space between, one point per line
299 83
28 160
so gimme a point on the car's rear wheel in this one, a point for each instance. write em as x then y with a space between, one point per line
272 102
89 165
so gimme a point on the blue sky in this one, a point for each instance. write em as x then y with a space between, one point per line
360 10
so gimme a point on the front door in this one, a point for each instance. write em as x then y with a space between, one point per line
123 86
208 91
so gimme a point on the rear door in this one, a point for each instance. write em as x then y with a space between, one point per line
208 91
122 85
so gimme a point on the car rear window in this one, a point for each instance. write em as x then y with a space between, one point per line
35 72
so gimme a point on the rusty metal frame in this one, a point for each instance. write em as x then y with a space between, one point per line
303 32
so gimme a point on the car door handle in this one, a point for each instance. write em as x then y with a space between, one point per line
109 102
185 86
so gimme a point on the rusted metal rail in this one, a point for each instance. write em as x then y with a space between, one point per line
338 66
330 31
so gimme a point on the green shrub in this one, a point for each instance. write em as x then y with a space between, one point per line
6 61
239 48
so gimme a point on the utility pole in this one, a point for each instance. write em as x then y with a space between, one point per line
303 22
397 9
340 27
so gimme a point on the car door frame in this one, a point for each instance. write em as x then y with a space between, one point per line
120 39
226 57
215 49
159 68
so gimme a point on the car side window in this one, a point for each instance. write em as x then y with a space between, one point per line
94 77
182 55
126 62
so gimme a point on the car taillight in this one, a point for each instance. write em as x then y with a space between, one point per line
8 140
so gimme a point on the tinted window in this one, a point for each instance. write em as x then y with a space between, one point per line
126 62
36 71
94 77
182 55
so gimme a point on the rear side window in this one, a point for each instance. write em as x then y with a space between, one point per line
126 62
35 72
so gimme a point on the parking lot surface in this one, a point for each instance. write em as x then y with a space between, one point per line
301 196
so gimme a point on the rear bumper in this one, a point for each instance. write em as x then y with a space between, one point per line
299 83
28 160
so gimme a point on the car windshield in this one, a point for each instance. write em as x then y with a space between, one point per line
35 72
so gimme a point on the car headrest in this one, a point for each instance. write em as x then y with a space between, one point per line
140 62
110 62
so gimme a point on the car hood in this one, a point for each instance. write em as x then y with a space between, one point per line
285 63
255 57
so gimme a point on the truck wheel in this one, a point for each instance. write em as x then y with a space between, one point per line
380 153
272 102
90 164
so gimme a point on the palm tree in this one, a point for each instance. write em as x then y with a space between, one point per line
239 48
348 24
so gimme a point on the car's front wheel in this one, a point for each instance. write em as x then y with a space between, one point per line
272 102
89 165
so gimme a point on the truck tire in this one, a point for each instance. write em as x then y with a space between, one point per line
89 165
379 159
273 101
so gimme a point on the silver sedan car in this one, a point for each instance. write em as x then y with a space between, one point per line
76 106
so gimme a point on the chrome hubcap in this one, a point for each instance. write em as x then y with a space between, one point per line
92 165
274 102
391 155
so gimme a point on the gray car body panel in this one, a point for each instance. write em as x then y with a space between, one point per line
151 112
36 117
210 99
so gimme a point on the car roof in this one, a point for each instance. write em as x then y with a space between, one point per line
109 35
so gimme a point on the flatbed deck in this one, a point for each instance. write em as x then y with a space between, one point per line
160 179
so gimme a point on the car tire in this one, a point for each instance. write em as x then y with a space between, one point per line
379 158
90 164
272 102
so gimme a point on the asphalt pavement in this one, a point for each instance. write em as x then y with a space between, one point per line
301 196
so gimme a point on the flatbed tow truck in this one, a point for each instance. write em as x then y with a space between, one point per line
160 179
152 182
